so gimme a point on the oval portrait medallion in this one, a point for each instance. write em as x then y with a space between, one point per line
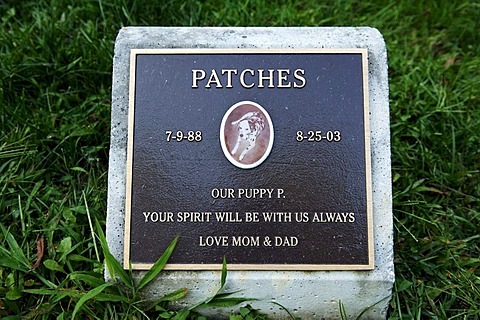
246 134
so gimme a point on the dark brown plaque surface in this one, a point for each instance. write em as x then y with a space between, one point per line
262 156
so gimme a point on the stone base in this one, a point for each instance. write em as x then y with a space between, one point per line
306 294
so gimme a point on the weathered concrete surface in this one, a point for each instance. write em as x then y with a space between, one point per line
306 294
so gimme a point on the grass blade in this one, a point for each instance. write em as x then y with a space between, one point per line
91 294
181 315
91 226
220 299
7 262
223 280
224 273
286 310
86 278
158 266
226 302
180 293
113 266
360 316
15 251
343 312
44 292
107 297
176 295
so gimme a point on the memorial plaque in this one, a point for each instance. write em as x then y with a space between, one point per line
262 156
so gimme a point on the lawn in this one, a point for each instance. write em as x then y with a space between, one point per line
55 91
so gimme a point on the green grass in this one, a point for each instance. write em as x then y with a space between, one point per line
55 84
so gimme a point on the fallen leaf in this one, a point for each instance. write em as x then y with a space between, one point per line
40 251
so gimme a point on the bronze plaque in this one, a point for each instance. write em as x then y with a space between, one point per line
262 156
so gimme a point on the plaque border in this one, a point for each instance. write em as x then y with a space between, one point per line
252 267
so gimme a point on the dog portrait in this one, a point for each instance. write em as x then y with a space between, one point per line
246 134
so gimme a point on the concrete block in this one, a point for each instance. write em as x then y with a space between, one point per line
307 294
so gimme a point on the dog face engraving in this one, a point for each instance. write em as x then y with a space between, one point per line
249 127
246 134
